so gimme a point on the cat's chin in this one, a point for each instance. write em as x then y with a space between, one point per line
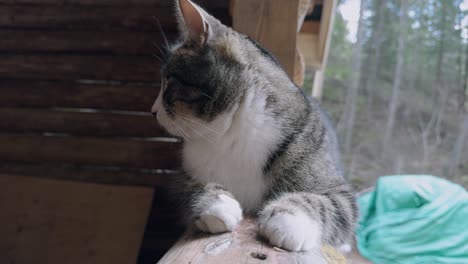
170 128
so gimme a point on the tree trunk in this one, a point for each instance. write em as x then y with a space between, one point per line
349 113
440 81
458 147
374 60
394 102
463 104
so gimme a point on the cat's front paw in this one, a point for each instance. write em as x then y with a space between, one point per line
291 231
221 216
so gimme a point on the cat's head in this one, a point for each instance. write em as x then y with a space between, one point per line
204 77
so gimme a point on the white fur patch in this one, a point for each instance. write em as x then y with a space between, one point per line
222 216
292 232
233 150
345 248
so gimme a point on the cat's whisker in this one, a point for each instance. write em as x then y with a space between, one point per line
182 131
158 58
162 32
200 134
207 95
202 125
160 51
196 131
187 135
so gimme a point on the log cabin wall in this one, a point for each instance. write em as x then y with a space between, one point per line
77 80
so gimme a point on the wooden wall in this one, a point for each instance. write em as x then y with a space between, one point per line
77 80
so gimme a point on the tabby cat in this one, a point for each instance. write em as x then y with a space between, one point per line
253 143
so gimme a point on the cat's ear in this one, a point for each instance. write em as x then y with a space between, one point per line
192 23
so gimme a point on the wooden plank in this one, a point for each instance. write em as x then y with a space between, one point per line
307 44
79 123
273 23
73 67
326 28
95 42
324 39
85 17
72 17
92 174
34 93
310 27
317 86
151 3
49 221
242 246
92 151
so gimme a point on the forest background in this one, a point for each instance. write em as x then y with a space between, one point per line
396 88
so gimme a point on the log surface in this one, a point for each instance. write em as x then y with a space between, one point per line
50 221
242 246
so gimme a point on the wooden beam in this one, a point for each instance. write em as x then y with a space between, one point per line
317 87
71 122
310 27
88 174
73 94
307 44
78 67
242 246
273 23
326 28
314 37
55 149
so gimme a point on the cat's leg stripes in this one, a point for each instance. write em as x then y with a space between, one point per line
301 221
210 208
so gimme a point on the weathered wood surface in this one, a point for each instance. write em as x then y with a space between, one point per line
82 41
326 27
72 94
311 27
88 173
242 246
89 150
74 122
74 67
54 222
167 4
73 17
273 23
101 17
77 81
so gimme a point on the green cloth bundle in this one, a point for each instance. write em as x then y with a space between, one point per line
411 219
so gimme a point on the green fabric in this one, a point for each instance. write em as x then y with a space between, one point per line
411 219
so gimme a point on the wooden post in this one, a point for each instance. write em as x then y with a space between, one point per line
242 246
273 23
324 37
317 86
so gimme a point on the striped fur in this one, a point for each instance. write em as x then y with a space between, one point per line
253 143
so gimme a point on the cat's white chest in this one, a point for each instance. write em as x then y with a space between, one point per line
236 160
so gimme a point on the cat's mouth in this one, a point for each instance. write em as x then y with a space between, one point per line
169 125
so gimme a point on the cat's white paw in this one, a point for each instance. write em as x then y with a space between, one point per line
222 216
294 232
